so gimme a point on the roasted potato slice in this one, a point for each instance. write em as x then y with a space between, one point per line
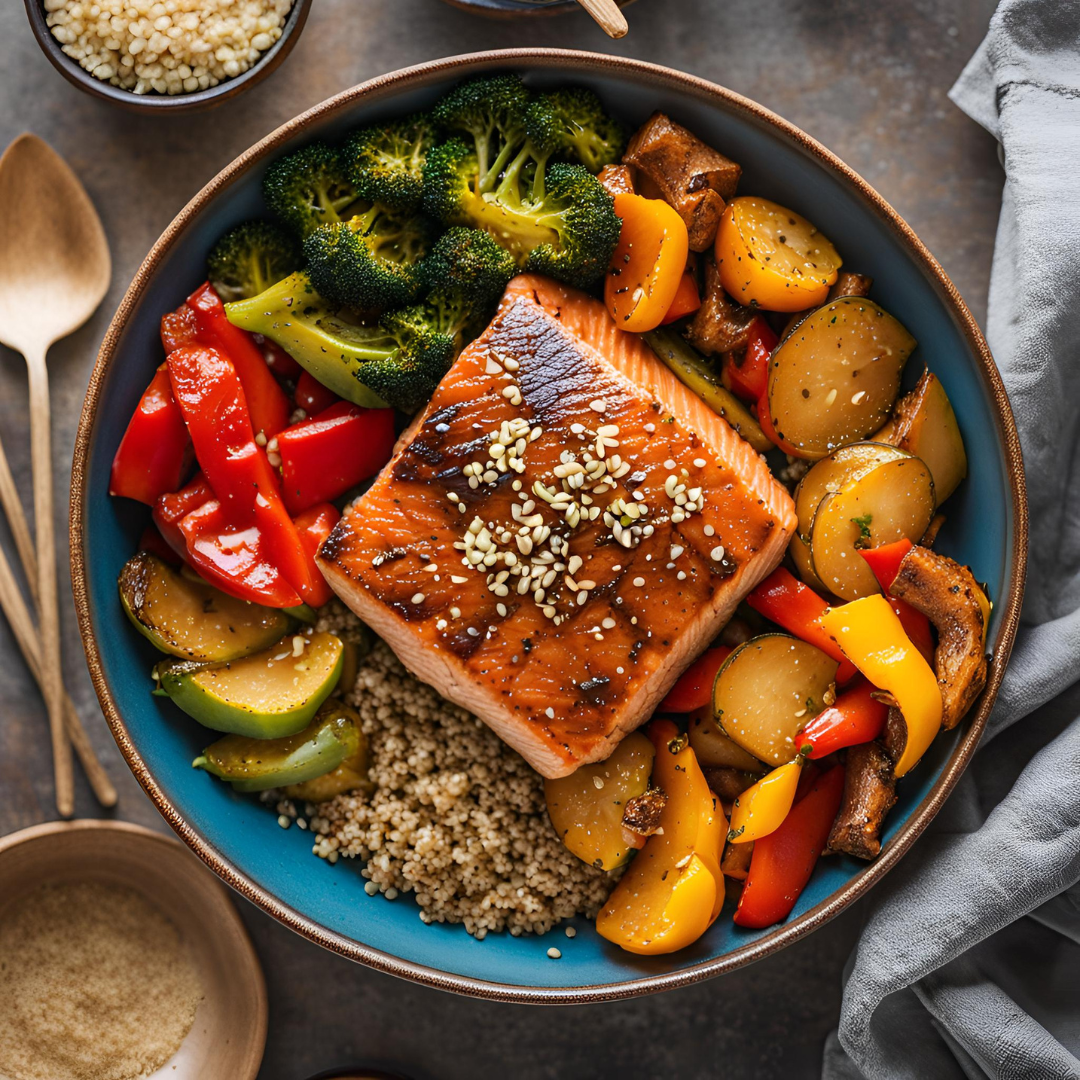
869 794
835 379
687 173
948 595
893 500
847 284
720 324
767 690
925 425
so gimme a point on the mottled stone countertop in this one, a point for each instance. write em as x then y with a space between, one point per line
869 81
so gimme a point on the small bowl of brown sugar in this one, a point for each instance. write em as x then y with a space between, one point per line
121 957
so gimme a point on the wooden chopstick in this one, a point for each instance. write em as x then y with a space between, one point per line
608 16
26 635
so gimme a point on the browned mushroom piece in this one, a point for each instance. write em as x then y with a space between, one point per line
869 794
687 173
721 324
847 284
641 815
735 862
616 179
728 783
947 594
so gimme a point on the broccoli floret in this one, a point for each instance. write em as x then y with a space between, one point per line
370 262
388 363
464 276
309 188
250 258
492 110
555 219
385 162
576 122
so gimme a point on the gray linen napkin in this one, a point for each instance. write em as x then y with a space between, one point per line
969 965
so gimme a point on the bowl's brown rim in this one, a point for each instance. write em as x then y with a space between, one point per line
382 87
256 1034
171 103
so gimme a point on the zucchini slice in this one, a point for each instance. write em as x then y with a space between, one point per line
714 749
835 379
893 501
768 689
924 424
266 696
825 477
332 738
586 807
185 616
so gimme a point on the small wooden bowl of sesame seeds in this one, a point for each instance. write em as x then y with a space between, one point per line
176 63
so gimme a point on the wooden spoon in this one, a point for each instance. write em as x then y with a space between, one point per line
607 14
54 271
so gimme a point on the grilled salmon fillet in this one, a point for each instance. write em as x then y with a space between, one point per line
561 531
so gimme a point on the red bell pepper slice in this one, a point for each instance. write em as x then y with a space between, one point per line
312 396
855 717
783 861
695 686
277 359
323 457
152 541
208 390
267 403
885 562
797 608
233 558
171 509
155 451
687 300
314 526
178 328
749 376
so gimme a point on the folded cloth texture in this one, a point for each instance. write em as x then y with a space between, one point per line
969 964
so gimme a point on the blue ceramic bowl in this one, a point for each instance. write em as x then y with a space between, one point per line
239 838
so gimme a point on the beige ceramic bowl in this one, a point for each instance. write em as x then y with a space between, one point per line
229 1032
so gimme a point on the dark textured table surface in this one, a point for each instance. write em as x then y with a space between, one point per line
869 81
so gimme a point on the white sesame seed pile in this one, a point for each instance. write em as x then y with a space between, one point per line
526 557
456 817
168 46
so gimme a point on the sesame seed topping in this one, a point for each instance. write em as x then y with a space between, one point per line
418 598
598 405
638 582
700 463
709 530
717 553
554 953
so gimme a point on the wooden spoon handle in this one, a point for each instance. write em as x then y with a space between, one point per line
607 14
20 530
18 616
48 605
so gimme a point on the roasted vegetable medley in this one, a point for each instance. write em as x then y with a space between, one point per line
380 260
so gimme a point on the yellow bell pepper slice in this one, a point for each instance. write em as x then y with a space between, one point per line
673 890
872 638
761 809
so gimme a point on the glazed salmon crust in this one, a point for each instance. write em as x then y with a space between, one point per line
561 531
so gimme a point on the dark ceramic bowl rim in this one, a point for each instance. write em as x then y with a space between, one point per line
197 99
783 935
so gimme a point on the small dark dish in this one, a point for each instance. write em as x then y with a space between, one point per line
187 102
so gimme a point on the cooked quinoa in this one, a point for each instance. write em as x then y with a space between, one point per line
171 46
456 817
